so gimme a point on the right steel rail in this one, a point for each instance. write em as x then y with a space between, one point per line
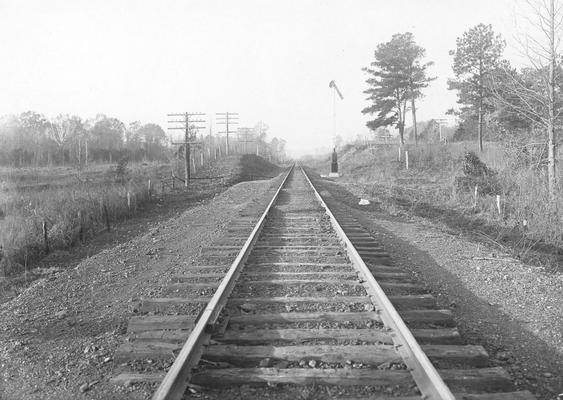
425 375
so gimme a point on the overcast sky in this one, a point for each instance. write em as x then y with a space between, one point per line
267 60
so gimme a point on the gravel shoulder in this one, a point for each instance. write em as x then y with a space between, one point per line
58 336
514 310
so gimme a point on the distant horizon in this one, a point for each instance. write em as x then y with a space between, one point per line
268 61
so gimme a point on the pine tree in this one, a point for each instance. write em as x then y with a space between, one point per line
396 76
476 57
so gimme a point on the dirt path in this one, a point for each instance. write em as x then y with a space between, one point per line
57 338
514 310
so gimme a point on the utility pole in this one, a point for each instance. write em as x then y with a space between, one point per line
551 94
246 135
227 118
440 122
260 131
190 137
211 141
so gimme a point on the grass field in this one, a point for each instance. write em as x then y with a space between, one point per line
75 205
429 188
72 206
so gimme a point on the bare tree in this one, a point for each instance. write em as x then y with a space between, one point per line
62 129
535 93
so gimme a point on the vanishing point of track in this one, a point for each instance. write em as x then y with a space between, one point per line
311 298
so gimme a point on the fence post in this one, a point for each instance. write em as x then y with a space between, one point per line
407 159
45 237
129 201
201 158
400 153
498 205
106 217
475 196
80 227
149 188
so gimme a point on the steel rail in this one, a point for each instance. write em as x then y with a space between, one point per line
425 375
177 378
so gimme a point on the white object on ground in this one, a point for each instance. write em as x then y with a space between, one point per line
363 202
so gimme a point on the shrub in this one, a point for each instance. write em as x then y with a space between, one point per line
474 167
119 172
477 174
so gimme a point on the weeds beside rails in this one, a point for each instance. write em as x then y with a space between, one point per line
35 223
527 214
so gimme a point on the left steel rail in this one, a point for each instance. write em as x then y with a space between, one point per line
177 379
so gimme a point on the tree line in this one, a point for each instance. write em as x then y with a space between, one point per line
30 139
255 140
494 97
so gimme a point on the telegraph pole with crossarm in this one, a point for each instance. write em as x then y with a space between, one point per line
245 136
190 127
227 118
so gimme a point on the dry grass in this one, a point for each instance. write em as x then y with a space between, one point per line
72 205
430 182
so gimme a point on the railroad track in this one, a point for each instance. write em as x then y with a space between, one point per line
299 300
